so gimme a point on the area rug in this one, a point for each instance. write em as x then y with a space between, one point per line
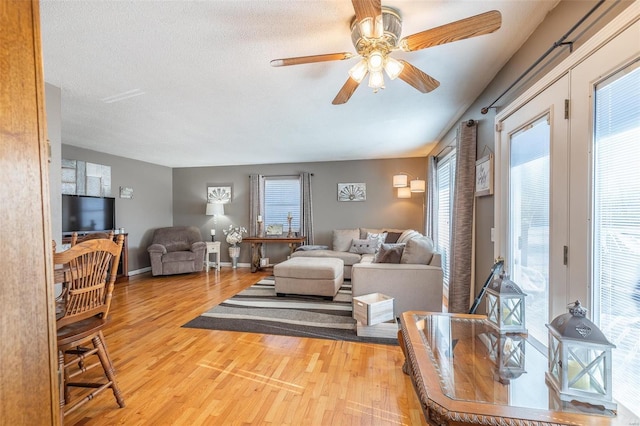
258 310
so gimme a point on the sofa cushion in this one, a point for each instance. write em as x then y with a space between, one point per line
364 246
389 253
179 256
418 250
348 258
342 238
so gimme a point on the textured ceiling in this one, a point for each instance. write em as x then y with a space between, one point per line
186 83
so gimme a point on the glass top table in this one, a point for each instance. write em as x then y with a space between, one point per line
465 372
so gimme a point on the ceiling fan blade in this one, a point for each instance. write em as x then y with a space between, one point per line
367 9
473 26
345 93
311 59
417 78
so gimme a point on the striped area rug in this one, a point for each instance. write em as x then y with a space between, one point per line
258 310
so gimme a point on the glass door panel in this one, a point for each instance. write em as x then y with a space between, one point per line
528 261
616 226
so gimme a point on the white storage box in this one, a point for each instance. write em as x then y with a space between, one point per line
374 308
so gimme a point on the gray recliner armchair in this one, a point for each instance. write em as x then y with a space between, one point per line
177 250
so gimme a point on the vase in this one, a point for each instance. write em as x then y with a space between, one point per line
234 253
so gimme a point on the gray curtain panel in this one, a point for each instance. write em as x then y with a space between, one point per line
462 226
256 201
306 221
429 203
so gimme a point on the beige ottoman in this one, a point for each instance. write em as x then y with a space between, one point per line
315 276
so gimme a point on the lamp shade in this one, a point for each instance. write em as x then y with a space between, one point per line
404 192
215 209
418 185
399 181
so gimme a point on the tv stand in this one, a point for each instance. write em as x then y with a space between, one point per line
123 264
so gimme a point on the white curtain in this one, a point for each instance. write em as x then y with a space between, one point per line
432 191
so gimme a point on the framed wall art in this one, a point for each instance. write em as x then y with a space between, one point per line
352 191
126 192
219 194
484 176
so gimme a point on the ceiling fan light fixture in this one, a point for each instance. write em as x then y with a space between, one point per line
359 70
375 60
393 67
376 80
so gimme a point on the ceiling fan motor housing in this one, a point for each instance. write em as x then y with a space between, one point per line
392 27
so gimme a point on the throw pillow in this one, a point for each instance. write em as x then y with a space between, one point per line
380 237
389 253
342 238
363 246
407 235
418 251
392 237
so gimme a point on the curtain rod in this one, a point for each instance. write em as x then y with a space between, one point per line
555 45
279 176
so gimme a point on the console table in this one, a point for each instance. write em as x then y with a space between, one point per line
257 242
465 373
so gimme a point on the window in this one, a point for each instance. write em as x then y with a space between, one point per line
616 226
281 198
445 176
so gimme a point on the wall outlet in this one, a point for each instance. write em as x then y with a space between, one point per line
493 235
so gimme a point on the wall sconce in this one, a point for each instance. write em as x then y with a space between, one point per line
405 188
404 192
215 210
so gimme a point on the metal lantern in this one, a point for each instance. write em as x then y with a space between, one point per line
507 351
579 359
505 305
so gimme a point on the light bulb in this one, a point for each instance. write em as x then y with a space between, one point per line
393 68
359 71
376 61
376 80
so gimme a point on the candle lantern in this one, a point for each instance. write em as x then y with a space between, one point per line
505 305
507 351
579 359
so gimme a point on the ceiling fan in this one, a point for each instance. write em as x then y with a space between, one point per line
375 33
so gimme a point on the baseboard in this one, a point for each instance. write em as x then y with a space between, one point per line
140 271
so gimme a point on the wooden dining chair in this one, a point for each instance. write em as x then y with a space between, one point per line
75 239
87 272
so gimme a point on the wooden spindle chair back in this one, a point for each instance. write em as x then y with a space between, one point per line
89 269
90 272
75 239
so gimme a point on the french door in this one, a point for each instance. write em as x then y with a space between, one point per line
533 190
591 224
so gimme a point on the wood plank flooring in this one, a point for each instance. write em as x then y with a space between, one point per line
171 375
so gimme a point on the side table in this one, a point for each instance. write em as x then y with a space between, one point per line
212 247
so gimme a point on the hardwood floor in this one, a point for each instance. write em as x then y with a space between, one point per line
171 375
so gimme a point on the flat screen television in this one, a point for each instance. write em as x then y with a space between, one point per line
83 213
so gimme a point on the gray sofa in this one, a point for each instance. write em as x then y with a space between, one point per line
414 279
176 250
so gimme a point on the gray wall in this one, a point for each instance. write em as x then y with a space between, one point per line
151 205
557 23
381 208
54 136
